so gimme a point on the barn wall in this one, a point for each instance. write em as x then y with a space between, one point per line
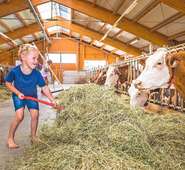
9 57
84 52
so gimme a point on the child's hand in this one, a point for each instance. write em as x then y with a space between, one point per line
21 96
54 103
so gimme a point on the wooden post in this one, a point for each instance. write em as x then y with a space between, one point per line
52 72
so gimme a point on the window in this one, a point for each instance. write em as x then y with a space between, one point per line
45 10
62 58
54 57
52 9
89 64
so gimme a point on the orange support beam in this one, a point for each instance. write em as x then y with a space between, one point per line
108 17
95 35
21 32
96 12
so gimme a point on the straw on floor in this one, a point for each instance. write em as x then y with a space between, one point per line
98 131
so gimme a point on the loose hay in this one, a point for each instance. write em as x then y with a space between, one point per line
97 130
4 93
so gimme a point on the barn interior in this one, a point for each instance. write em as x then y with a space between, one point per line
77 42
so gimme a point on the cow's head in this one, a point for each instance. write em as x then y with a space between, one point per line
111 76
137 98
156 73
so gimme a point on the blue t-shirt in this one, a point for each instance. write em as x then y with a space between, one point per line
26 84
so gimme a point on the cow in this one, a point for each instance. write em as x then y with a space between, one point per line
116 76
1 75
99 78
161 70
112 76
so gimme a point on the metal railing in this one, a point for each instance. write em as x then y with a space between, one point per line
164 97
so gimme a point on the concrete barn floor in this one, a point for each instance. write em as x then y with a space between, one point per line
47 114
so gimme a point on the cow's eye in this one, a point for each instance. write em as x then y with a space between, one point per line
159 63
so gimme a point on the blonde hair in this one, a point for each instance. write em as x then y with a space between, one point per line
25 48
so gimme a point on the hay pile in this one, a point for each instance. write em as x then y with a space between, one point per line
98 131
4 93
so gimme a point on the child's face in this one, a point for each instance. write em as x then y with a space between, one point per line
30 59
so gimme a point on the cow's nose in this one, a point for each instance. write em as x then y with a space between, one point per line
137 82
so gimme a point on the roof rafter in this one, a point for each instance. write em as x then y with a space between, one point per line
118 33
94 2
179 5
21 32
167 21
5 26
96 12
102 27
119 6
95 35
147 9
108 17
103 46
12 7
7 40
182 33
18 16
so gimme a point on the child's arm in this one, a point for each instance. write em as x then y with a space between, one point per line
14 90
47 92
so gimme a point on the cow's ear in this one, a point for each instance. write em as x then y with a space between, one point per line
172 60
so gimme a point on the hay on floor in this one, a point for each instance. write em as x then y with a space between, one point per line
98 131
4 93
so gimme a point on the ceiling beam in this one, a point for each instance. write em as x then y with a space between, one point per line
95 35
5 26
34 36
147 9
94 11
118 33
24 42
102 27
20 32
134 40
13 6
118 7
18 16
177 35
94 2
167 21
113 51
7 41
103 46
4 1
108 17
3 37
92 42
179 5
93 46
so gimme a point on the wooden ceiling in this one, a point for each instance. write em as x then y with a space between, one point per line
156 22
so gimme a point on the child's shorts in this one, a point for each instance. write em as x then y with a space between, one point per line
18 103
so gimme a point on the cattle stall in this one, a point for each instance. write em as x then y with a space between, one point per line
168 97
4 69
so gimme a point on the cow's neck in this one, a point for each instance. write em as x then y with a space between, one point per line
178 75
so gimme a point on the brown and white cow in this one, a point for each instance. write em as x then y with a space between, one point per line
116 75
161 69
99 78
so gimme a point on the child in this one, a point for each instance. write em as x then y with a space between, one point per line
22 81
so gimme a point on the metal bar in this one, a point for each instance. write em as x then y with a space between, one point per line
38 20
